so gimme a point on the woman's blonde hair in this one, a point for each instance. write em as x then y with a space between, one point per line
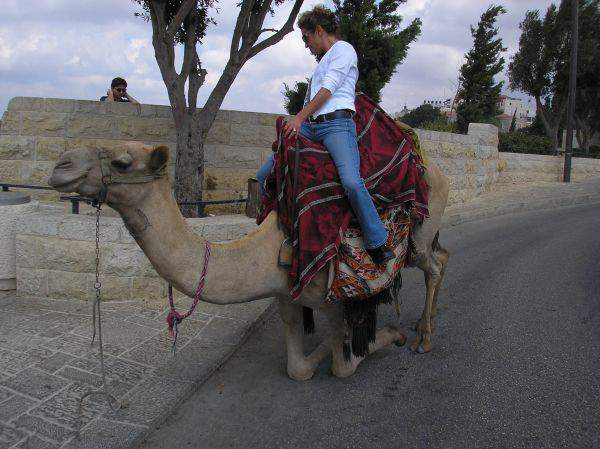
321 16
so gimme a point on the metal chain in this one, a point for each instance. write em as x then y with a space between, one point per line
113 403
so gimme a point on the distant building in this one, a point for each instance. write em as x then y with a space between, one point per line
447 107
402 113
514 107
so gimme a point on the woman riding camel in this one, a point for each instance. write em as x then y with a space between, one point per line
326 118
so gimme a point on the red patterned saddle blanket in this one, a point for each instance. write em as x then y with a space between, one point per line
317 218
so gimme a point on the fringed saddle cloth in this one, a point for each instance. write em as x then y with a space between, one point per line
314 213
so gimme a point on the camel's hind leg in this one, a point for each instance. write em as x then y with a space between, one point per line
299 366
342 367
433 268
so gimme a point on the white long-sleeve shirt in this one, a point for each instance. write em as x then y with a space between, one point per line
337 72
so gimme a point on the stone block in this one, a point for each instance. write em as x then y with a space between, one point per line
106 434
49 124
243 118
17 405
54 362
148 289
90 107
9 435
252 135
32 282
123 109
11 123
223 116
70 285
73 227
138 128
268 119
220 133
90 126
164 111
485 133
37 443
36 173
227 179
225 156
35 383
16 147
55 254
124 371
153 396
114 288
43 428
10 172
49 148
124 260
79 144
58 105
147 110
25 104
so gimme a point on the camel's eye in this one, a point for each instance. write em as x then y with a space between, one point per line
120 165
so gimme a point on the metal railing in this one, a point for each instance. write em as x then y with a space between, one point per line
76 199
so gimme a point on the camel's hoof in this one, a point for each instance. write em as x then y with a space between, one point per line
401 341
420 350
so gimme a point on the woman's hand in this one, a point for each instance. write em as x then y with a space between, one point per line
292 126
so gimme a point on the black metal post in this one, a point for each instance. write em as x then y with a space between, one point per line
572 89
5 188
75 206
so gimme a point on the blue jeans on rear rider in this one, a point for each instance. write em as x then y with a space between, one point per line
339 137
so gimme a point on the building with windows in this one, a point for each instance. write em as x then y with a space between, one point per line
514 107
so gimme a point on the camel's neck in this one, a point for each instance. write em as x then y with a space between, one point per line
238 271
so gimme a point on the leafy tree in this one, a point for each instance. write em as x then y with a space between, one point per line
184 22
294 98
373 29
478 92
540 66
587 112
536 128
425 113
513 123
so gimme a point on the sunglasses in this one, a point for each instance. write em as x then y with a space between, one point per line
305 38
121 89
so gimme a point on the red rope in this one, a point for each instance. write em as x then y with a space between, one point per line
174 317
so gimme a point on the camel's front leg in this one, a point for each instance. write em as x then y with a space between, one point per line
342 367
422 342
299 367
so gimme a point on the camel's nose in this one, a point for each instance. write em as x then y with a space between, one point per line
64 164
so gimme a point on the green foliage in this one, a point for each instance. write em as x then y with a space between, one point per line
519 142
294 98
425 113
373 29
198 22
442 124
536 128
478 92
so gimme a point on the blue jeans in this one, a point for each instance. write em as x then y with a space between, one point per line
339 137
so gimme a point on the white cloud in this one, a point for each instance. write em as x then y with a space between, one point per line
73 48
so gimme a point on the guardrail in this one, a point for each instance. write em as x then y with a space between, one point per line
76 199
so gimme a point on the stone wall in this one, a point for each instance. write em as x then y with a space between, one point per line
469 161
55 255
35 131
517 167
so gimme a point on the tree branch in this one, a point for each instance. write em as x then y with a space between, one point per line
288 27
178 18
240 26
189 50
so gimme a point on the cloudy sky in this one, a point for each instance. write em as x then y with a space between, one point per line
73 48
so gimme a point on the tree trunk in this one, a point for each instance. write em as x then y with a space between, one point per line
189 165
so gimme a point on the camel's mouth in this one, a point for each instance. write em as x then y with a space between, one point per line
61 184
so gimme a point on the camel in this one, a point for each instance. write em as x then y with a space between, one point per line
245 269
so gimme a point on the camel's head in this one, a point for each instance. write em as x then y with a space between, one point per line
121 174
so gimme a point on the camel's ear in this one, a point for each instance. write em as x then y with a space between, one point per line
159 157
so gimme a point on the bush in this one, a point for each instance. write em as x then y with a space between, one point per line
441 124
419 116
518 142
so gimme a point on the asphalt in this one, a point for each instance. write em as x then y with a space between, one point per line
47 362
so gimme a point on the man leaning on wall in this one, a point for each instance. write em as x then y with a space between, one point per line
118 92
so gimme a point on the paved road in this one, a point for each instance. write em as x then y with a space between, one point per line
515 364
